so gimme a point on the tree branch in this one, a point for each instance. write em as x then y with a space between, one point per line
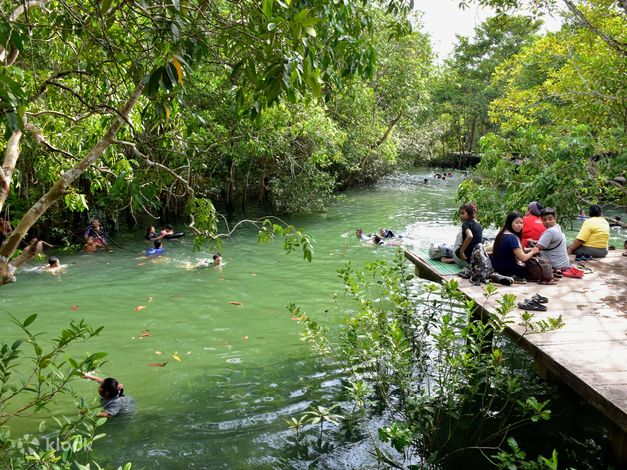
620 47
60 187
10 159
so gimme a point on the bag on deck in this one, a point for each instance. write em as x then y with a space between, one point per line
480 265
539 269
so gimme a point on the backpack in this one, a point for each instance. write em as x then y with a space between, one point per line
539 269
480 265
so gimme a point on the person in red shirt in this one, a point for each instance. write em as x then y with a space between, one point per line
532 224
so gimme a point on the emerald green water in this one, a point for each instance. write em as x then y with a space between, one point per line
243 368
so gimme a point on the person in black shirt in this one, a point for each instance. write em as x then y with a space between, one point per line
472 234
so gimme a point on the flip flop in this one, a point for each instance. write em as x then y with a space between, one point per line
540 299
585 269
548 282
529 304
519 280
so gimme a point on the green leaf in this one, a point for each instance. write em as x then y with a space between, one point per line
267 8
311 31
29 320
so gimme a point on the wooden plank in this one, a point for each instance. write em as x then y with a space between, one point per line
589 354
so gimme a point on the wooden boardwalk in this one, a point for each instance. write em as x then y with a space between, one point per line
589 354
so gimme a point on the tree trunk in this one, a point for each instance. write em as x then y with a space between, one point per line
60 187
10 159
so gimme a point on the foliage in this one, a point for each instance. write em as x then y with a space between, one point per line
33 374
424 360
562 126
463 91
97 93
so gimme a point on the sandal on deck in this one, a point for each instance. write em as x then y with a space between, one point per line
583 258
529 304
583 268
548 282
519 280
573 272
540 299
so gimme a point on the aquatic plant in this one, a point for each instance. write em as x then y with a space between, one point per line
421 358
33 374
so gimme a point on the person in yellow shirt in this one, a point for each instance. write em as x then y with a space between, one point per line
593 237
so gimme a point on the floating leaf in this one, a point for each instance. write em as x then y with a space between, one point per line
150 299
139 308
159 353
245 338
144 334
189 352
177 357
235 302
74 307
157 364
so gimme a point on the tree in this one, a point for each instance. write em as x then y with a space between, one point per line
93 72
562 125
464 91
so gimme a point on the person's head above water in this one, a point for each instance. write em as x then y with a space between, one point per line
110 388
168 227
359 232
217 259
157 244
534 208
53 262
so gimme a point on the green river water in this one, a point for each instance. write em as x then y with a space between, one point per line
243 368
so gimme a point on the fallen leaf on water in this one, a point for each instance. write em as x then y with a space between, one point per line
253 274
74 307
159 353
245 338
150 299
189 352
296 318
145 333
177 357
157 364
141 264
235 302
139 308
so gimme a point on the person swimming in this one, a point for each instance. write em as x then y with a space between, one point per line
151 233
386 233
112 398
157 250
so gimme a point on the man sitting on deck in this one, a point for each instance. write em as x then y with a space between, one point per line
593 237
553 244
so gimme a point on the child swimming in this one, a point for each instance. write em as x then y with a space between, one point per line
112 398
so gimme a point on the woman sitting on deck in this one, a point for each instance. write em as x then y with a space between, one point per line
508 257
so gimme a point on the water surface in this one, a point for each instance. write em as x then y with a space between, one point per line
242 368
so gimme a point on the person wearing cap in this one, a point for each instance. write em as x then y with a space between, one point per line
532 224
593 237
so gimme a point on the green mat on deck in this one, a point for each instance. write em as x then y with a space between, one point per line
439 267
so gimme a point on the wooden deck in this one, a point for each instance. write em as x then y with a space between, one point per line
589 354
